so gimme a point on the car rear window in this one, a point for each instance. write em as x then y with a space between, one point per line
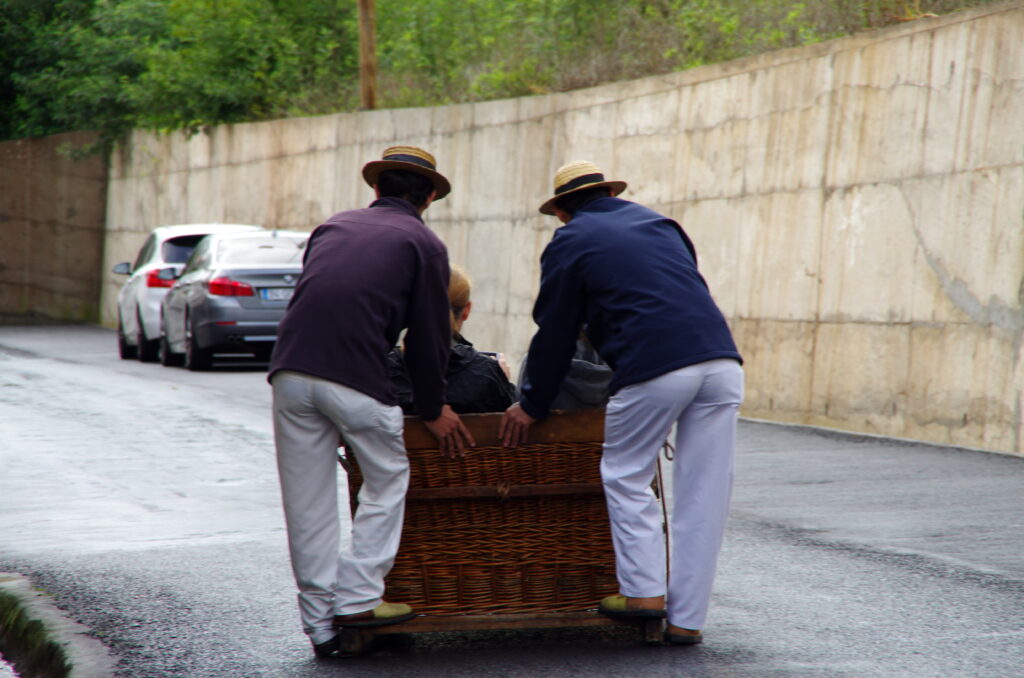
178 250
261 251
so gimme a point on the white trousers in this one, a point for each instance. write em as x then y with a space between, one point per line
308 414
703 401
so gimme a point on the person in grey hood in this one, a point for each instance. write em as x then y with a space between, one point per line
586 384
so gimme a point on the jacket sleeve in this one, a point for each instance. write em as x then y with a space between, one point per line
428 338
400 380
686 241
309 243
558 313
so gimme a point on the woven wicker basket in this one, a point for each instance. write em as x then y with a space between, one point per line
501 530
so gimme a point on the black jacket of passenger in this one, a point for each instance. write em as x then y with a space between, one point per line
476 382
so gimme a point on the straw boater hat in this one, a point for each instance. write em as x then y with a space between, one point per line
577 176
410 159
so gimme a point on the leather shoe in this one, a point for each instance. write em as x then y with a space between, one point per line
676 635
382 615
327 649
617 607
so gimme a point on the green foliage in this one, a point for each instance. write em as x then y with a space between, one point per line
223 61
235 60
115 65
438 51
27 642
31 43
88 82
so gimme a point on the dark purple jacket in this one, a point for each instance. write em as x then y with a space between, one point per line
368 274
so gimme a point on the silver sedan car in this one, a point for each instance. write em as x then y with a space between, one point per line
230 297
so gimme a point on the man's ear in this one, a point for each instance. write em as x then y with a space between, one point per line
376 190
465 311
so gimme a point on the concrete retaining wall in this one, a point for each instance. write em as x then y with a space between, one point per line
857 207
52 213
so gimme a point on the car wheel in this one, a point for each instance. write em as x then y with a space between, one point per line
124 349
167 357
147 348
196 357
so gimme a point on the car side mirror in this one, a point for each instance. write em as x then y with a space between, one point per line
124 268
167 274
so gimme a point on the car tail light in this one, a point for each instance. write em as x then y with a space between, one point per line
226 287
153 279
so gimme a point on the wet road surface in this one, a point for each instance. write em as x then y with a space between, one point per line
144 500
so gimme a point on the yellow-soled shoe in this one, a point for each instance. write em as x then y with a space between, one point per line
617 607
382 615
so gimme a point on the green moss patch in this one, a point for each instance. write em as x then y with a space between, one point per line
26 643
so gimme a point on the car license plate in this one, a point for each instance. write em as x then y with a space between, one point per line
277 293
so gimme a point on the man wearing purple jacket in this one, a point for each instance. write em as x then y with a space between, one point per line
368 274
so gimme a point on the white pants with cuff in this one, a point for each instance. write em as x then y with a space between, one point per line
308 414
703 401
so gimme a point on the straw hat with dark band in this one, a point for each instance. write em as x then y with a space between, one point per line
410 159
577 176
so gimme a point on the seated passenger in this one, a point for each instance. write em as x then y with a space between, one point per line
586 384
477 382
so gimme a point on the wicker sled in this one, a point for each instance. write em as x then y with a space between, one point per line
503 538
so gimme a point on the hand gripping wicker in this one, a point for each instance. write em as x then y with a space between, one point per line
504 531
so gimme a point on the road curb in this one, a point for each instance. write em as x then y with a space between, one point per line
40 641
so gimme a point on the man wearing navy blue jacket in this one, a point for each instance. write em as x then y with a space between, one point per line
630 275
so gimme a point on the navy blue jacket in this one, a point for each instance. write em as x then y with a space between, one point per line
630 274
368 274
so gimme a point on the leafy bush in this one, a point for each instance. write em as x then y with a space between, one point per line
115 65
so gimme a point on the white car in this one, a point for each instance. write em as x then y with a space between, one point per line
138 302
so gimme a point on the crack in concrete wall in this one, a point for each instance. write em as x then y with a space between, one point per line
1008 318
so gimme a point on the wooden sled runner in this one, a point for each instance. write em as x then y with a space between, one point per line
503 538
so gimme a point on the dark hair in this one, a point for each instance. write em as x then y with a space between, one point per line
411 186
573 201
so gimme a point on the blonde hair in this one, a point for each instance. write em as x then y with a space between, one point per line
459 286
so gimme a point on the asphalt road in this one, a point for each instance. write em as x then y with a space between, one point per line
143 501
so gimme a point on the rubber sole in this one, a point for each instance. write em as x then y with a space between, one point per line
632 614
673 639
370 623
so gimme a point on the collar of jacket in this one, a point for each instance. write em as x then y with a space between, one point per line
603 204
397 203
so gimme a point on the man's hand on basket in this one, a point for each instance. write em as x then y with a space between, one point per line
451 433
515 424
